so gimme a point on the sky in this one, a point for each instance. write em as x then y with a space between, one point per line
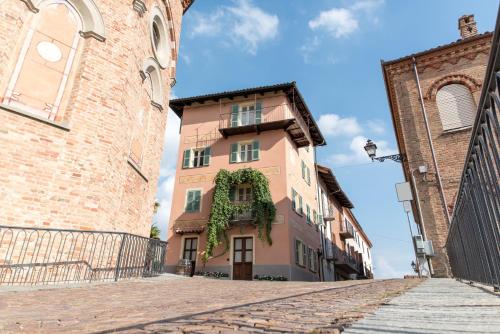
332 49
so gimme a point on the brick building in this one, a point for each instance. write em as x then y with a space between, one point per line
84 93
433 96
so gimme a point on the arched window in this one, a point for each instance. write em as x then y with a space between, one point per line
39 79
456 106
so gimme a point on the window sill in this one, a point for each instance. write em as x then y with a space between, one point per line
242 162
194 167
34 117
137 169
457 130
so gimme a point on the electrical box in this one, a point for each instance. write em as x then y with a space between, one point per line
429 249
419 243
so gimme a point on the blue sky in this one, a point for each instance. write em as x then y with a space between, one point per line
332 49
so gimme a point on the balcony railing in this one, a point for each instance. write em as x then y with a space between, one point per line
346 230
329 214
282 116
45 256
473 242
345 261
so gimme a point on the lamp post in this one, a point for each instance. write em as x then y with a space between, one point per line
371 149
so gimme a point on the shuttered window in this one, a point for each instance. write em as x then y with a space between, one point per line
244 151
456 106
193 201
196 157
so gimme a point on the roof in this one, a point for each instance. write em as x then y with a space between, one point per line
438 48
289 88
333 186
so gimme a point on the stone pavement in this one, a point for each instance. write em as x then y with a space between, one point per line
436 306
195 305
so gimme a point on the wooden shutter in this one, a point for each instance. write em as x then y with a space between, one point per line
189 201
186 159
234 115
258 112
197 200
206 156
297 251
308 175
255 150
233 156
303 166
294 197
301 210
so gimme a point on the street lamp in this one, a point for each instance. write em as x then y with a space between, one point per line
371 149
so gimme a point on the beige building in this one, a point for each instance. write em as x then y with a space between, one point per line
84 93
433 96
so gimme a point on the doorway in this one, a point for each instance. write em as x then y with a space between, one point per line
243 258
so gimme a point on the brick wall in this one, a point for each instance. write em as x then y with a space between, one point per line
463 63
80 176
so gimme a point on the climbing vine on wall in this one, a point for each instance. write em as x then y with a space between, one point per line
223 208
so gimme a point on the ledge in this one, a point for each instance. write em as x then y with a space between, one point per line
34 117
137 169
456 130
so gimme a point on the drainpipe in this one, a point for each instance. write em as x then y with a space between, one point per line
322 234
431 144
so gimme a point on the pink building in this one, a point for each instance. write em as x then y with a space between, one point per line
266 128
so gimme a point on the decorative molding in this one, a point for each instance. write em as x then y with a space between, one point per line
34 117
209 177
151 69
472 84
91 34
31 6
139 6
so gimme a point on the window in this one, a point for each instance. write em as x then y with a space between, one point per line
301 209
190 248
294 200
244 152
242 194
311 259
246 114
315 217
456 106
300 253
196 157
306 173
193 201
159 37
308 213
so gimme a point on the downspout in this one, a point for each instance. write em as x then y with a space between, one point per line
431 144
320 207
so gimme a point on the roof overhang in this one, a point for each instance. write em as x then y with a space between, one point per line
333 186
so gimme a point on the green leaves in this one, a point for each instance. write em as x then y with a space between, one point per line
222 207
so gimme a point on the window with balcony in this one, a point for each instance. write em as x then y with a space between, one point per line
193 200
242 194
246 114
196 157
245 151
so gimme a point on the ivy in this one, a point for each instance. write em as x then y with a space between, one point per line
262 207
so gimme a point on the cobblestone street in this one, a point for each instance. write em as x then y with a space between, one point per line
165 304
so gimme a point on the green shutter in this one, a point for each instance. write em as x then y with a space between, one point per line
308 211
308 176
206 156
232 194
258 112
189 202
301 210
303 165
186 159
197 201
297 252
294 195
234 115
255 150
233 156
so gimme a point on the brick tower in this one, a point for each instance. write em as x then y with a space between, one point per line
84 91
450 78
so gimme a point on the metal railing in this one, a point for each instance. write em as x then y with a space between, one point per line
473 242
46 256
342 256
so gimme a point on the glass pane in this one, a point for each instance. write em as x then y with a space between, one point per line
194 243
193 256
241 194
186 255
248 256
243 153
237 256
187 244
237 244
248 243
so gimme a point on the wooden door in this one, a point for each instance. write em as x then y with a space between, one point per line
243 258
190 248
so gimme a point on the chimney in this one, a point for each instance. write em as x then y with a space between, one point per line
467 26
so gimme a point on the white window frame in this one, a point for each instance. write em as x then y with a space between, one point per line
248 154
186 199
183 242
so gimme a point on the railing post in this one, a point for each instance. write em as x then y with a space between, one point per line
118 260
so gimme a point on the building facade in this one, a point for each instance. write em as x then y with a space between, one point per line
84 93
266 128
433 97
347 248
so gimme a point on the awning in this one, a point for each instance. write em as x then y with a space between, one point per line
189 226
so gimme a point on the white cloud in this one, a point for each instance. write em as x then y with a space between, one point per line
385 270
309 47
376 126
339 22
343 22
243 24
357 153
335 125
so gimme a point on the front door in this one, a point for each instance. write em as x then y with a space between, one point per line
190 248
243 258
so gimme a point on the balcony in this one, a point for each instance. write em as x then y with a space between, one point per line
346 262
346 230
328 214
283 116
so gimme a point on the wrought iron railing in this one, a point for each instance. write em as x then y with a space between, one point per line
344 257
473 242
46 256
